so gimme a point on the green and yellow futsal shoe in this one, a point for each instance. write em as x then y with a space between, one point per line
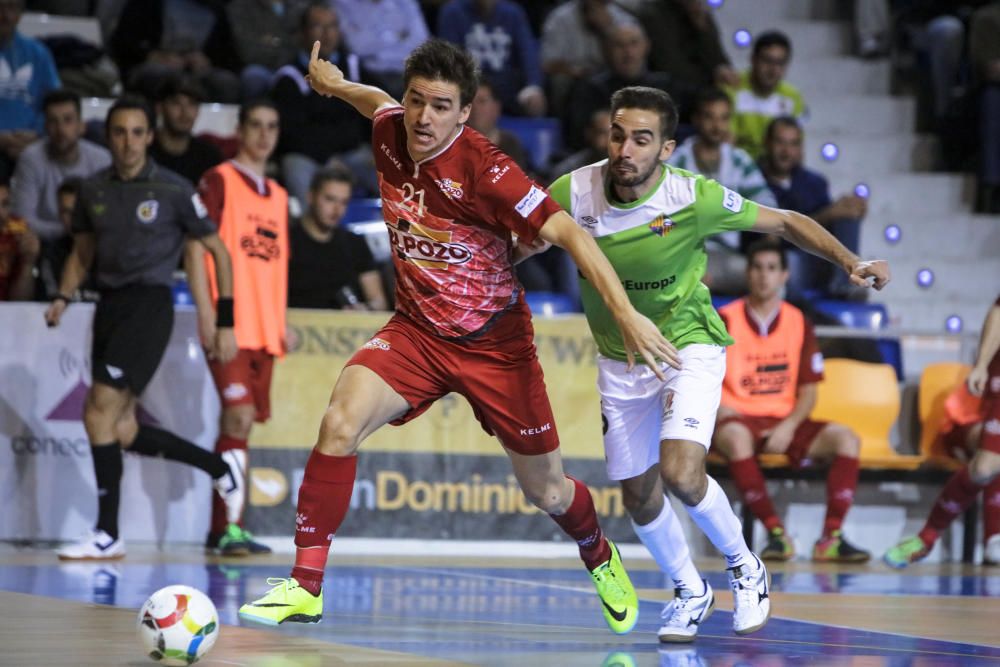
618 599
287 602
906 552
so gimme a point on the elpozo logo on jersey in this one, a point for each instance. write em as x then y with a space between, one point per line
451 189
429 248
147 210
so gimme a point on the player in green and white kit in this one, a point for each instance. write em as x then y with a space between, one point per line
651 221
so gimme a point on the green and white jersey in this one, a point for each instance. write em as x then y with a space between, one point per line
657 247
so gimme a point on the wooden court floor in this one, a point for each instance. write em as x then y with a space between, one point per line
493 611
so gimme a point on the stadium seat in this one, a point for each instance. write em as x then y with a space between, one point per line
936 383
549 303
541 137
40 25
872 316
866 398
363 210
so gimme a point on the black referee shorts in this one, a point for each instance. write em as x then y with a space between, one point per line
132 327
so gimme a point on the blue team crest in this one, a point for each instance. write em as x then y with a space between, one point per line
661 226
146 211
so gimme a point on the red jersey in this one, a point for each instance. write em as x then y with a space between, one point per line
450 218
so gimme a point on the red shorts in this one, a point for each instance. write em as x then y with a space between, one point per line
498 373
246 380
797 448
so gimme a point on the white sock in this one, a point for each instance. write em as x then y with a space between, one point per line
715 516
665 540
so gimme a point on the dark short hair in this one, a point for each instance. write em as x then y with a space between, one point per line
337 172
438 60
258 103
767 244
61 96
780 121
648 99
180 84
70 186
314 4
131 102
710 95
771 38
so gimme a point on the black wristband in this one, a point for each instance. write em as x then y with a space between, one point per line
62 297
224 313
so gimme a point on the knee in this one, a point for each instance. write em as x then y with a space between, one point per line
126 429
984 469
338 432
734 442
848 443
237 423
551 497
643 510
687 482
99 413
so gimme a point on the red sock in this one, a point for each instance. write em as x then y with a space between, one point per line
955 498
225 443
324 497
841 482
991 509
750 483
580 522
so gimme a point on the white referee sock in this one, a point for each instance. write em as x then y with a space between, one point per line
665 540
714 515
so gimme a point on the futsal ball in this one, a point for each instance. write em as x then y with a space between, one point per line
177 625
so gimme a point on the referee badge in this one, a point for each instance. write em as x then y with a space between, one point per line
147 210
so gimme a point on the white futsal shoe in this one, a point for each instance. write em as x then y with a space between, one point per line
751 597
683 615
233 485
95 545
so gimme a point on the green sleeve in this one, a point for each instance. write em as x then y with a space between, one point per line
559 190
720 209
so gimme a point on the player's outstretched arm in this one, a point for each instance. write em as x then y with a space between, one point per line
809 235
989 347
327 79
641 336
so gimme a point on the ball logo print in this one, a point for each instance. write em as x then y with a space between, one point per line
177 625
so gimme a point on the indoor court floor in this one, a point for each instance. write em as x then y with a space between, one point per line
496 611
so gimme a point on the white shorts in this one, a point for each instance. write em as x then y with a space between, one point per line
639 411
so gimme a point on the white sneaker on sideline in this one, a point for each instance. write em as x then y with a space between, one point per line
683 615
95 545
751 597
991 553
232 486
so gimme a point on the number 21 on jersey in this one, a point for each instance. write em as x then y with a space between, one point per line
413 199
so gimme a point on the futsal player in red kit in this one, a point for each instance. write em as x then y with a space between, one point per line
453 204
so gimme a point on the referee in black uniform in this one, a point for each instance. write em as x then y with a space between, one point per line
130 225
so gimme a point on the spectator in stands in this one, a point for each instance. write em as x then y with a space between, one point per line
797 188
497 35
52 259
766 405
595 137
572 43
27 72
762 92
383 44
174 147
251 212
264 34
695 57
984 50
625 48
45 164
981 474
710 153
315 129
19 249
156 38
872 27
331 267
483 117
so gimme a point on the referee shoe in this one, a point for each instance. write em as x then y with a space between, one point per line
232 485
95 545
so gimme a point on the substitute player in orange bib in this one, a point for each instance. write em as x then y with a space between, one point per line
767 396
453 204
251 212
